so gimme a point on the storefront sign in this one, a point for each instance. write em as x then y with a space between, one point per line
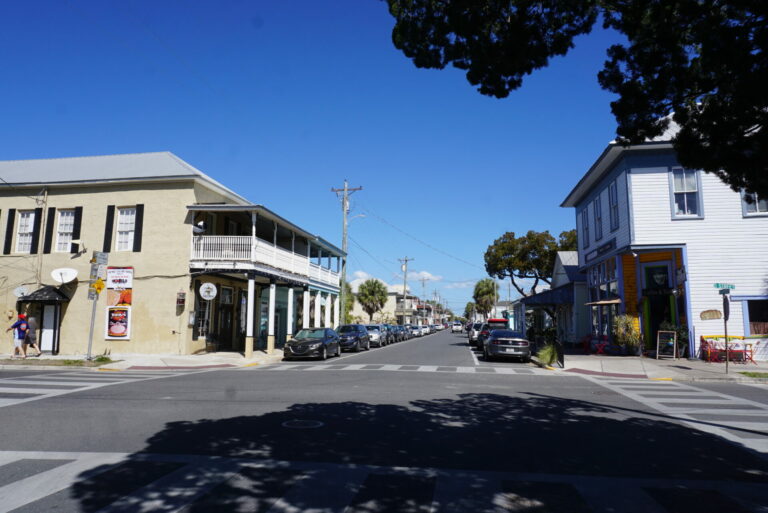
601 250
711 315
208 291
119 303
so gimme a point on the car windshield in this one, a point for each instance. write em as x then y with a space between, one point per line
373 328
476 326
347 329
319 333
504 334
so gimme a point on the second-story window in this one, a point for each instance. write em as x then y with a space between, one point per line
597 212
65 229
685 188
613 205
126 225
24 233
585 227
753 204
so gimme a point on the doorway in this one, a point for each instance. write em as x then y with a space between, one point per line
658 300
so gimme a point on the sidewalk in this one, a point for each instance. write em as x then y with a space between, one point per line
150 362
667 369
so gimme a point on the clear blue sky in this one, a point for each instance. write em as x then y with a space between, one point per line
282 100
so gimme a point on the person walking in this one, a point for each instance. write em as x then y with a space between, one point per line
19 328
31 338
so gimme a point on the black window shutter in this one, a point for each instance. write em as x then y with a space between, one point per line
194 298
138 228
36 230
48 240
9 231
74 248
109 225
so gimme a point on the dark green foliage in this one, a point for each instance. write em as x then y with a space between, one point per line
699 63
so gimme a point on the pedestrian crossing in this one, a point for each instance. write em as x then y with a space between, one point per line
115 482
739 420
410 368
33 387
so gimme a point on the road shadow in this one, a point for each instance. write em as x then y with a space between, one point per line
472 432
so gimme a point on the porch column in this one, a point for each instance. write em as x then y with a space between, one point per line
289 313
249 317
305 316
328 304
254 218
336 311
318 299
271 318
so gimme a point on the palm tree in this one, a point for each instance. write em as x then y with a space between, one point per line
485 295
469 310
372 295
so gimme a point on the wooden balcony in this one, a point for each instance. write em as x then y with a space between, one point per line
230 250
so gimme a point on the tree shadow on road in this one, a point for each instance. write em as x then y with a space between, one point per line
531 434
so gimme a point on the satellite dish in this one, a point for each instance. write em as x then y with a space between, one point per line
200 227
20 291
63 275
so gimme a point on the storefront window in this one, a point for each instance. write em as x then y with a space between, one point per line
603 286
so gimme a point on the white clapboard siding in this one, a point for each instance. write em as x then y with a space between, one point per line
622 234
724 246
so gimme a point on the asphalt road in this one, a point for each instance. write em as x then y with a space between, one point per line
416 426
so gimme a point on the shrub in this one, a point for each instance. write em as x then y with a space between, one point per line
547 354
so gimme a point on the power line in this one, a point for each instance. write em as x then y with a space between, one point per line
430 246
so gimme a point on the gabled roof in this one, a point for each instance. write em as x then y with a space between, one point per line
567 262
610 156
133 167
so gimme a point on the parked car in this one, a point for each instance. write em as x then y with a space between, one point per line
313 343
354 337
485 330
474 331
425 330
391 336
505 343
415 331
399 333
378 335
456 327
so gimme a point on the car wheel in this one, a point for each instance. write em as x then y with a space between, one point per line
338 350
368 346
357 346
323 354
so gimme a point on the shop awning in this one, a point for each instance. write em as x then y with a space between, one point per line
616 301
559 296
45 294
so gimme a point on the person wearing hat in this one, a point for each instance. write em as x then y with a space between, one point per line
20 328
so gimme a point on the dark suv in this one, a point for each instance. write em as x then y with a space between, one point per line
485 330
354 337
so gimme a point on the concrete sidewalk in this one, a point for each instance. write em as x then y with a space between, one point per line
220 360
677 370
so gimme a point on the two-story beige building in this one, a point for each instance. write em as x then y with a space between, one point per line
166 230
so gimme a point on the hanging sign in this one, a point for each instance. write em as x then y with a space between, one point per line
208 291
711 315
119 285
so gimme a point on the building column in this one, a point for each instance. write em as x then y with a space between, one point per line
271 318
318 299
336 311
289 314
328 303
249 318
305 316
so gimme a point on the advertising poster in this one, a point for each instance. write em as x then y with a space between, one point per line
119 303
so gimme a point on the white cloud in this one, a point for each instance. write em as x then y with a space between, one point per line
460 284
423 275
360 277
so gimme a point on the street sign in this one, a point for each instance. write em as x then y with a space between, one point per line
725 292
100 257
724 285
207 291
92 295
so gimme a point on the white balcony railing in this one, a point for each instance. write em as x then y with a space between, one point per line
226 248
221 248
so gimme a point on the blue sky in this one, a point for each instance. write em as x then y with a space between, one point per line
283 100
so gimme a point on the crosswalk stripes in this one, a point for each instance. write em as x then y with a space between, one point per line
739 420
26 388
120 482
408 368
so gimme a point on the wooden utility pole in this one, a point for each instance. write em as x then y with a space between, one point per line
404 268
346 191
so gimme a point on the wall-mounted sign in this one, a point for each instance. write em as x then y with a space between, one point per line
600 250
208 291
710 315
724 285
119 303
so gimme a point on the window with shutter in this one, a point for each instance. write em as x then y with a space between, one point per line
126 226
24 231
64 231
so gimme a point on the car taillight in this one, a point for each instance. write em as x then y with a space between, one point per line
485 333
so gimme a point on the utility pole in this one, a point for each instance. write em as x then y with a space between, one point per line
346 191
404 268
424 294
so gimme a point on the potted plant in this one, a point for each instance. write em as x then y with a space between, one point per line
627 334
